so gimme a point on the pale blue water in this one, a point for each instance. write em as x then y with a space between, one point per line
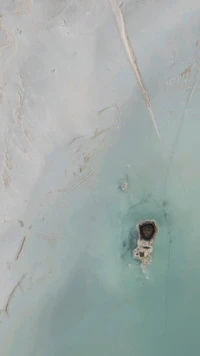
101 303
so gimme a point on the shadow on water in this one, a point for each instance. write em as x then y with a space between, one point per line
129 244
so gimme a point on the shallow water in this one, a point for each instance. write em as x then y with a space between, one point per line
80 131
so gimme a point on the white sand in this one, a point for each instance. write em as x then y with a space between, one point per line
74 122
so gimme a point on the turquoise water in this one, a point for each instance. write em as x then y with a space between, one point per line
100 302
